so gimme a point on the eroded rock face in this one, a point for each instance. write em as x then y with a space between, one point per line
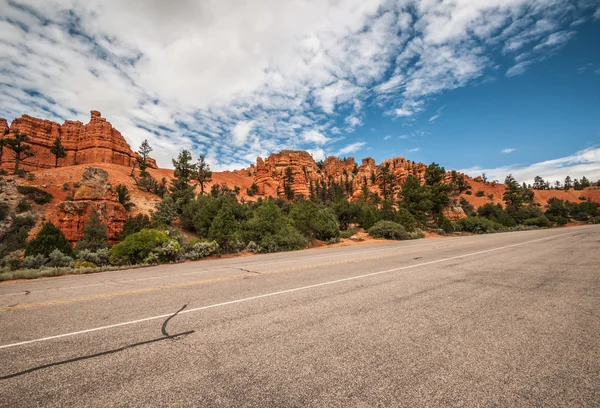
94 193
94 142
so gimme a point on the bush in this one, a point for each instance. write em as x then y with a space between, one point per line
314 221
135 224
16 237
84 264
445 224
170 251
39 196
388 230
4 210
166 211
538 222
11 261
95 236
201 250
123 196
136 247
559 220
22 206
33 261
477 225
253 247
47 240
57 259
99 258
224 229
416 234
594 220
348 233
479 193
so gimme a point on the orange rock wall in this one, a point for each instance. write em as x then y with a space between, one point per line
94 142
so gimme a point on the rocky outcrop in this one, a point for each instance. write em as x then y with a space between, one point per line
94 142
94 193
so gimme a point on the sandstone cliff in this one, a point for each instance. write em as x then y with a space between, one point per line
94 142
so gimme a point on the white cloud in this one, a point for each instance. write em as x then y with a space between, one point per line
241 131
508 150
317 154
387 137
313 136
434 117
582 163
353 121
351 148
211 75
413 150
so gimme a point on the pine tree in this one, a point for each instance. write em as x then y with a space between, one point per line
20 149
47 240
58 150
142 160
287 183
203 173
95 236
123 196
568 183
181 189
512 192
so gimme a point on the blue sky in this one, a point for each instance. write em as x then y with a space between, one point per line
501 86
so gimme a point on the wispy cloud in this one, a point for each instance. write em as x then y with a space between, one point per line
413 150
351 148
235 80
387 137
508 150
434 117
582 163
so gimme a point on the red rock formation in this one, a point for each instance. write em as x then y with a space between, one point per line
95 142
93 193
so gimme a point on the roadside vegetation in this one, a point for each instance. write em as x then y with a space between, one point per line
192 222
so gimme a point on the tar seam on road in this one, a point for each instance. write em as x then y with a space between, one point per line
298 289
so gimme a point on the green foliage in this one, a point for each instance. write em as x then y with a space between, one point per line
33 262
17 143
38 195
348 233
467 207
288 182
22 206
252 190
123 196
142 160
445 224
4 210
345 212
270 228
100 257
166 210
479 193
170 251
594 220
224 229
521 214
95 235
203 173
415 198
136 247
389 230
135 224
47 240
496 213
181 189
57 259
477 225
538 222
16 236
315 221
201 250
58 150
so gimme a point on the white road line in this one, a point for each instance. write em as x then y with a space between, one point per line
231 302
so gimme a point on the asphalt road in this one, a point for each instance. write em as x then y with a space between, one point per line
497 320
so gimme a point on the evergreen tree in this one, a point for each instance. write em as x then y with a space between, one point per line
47 240
18 145
584 182
142 160
123 196
58 150
95 236
181 189
203 173
568 183
539 183
512 192
288 182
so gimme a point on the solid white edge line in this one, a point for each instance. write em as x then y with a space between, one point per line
231 302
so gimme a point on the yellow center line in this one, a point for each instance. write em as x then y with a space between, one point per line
205 281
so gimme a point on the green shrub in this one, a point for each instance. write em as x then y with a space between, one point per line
95 236
136 247
99 258
4 210
314 221
559 220
479 193
57 259
542 222
477 225
348 233
47 240
23 205
170 251
416 234
388 230
201 250
594 220
224 229
84 264
33 261
445 224
253 247
166 211
38 195
16 236
135 224
270 228
11 261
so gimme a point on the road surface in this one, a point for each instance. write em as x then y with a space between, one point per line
500 320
